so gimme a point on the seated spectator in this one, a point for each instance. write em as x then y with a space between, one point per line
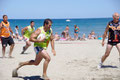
92 35
83 37
56 37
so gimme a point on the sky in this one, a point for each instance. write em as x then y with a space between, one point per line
58 9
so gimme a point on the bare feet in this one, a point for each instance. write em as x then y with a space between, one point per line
20 64
45 77
14 73
3 56
11 57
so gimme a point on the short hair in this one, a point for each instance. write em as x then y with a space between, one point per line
46 21
4 16
16 26
31 22
63 33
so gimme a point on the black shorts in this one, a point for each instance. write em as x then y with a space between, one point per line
8 40
113 43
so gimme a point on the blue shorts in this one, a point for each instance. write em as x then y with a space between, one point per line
76 32
38 49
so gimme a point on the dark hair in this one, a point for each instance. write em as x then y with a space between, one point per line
31 21
4 16
46 21
16 26
63 33
75 25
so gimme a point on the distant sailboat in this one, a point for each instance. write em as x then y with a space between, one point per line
68 20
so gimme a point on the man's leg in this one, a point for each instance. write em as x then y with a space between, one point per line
3 51
118 48
11 49
4 44
107 52
26 46
11 43
37 60
45 66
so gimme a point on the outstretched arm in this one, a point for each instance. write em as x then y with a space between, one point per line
22 31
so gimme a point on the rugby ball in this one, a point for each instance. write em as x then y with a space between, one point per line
41 36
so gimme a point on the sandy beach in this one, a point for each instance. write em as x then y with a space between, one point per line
74 60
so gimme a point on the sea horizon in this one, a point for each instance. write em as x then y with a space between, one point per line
86 25
60 18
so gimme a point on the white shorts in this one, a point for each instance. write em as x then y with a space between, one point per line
26 39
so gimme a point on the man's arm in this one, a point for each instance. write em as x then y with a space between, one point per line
1 26
34 35
24 29
11 30
52 44
105 34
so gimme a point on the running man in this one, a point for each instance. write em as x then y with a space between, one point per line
6 38
114 37
40 46
26 33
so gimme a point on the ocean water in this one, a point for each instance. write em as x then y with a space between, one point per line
97 25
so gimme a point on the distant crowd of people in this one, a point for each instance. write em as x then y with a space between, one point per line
65 36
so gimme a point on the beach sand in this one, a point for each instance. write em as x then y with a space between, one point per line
74 60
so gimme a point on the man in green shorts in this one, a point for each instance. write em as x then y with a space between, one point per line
40 46
26 32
